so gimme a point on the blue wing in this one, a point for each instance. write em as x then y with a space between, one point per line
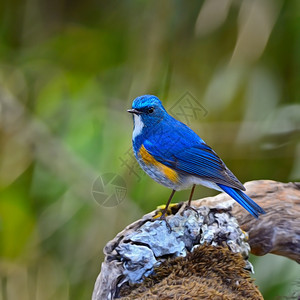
198 160
180 148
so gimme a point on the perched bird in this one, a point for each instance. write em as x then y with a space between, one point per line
175 156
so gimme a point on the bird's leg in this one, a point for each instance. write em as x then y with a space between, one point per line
163 214
191 194
167 205
190 200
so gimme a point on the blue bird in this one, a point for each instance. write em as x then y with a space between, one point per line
175 156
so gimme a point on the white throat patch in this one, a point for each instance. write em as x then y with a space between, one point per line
138 126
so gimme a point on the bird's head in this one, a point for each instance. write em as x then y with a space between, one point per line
148 111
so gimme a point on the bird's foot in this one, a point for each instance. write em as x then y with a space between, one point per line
160 210
192 208
163 218
161 215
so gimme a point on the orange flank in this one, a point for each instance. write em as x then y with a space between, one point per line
149 159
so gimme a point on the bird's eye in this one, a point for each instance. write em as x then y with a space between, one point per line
150 110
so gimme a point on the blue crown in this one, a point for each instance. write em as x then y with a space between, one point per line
146 101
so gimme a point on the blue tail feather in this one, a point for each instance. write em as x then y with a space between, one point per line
244 200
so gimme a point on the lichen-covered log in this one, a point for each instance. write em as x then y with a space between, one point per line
205 253
278 231
146 246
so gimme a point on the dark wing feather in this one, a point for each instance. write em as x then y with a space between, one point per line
199 160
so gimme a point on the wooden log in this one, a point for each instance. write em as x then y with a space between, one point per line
147 260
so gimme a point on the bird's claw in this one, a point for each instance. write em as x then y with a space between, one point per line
163 218
192 208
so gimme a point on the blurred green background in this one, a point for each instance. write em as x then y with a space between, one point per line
68 72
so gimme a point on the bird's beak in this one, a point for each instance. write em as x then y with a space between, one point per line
134 111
